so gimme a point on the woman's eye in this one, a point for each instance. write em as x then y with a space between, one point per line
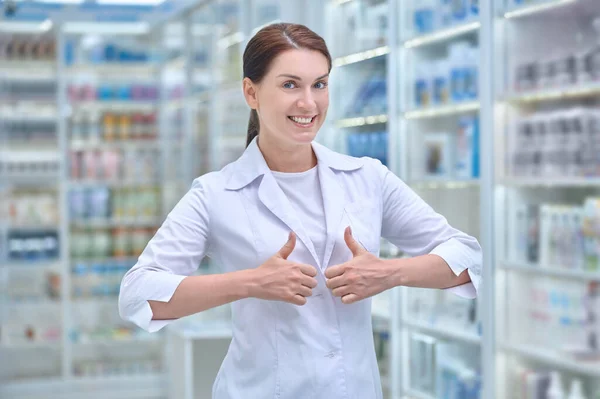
289 85
321 85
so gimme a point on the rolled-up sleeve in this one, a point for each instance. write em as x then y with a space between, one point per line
416 229
174 253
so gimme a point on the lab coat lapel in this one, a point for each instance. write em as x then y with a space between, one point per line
271 195
334 201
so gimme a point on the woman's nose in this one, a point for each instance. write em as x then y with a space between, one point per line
307 101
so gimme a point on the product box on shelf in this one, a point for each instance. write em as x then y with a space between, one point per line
555 236
370 99
371 144
577 65
119 242
432 15
438 153
450 80
456 374
562 143
33 245
27 48
99 279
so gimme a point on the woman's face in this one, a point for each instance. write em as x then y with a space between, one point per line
293 97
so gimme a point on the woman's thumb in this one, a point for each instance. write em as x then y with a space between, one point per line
287 249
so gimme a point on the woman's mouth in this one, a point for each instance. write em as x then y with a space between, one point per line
303 121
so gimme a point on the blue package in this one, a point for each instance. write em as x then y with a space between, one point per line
352 144
421 93
457 84
474 7
365 94
363 145
440 90
471 83
104 92
380 149
69 53
123 92
459 10
110 53
380 98
423 20
373 145
476 144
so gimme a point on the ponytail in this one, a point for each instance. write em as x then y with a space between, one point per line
253 127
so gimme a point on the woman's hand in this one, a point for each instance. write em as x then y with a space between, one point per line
361 277
281 280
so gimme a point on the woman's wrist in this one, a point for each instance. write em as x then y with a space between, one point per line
247 283
396 275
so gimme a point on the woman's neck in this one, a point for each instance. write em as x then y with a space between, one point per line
299 158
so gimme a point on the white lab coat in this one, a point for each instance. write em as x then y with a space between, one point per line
240 217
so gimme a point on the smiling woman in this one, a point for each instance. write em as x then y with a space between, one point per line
286 69
296 228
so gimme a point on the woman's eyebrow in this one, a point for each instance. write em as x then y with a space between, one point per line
285 75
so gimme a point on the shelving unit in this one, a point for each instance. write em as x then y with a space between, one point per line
531 270
439 119
31 259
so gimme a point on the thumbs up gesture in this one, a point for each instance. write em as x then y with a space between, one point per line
279 279
363 276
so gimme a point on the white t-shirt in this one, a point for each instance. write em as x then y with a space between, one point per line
303 190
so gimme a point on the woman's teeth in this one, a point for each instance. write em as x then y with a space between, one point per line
304 121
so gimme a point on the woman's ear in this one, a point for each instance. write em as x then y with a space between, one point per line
250 93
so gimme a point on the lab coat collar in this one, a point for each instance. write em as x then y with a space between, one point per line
252 164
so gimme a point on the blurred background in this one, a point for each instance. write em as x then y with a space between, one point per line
488 109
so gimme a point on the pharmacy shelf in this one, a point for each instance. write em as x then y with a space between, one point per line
27 70
116 222
26 264
32 227
116 145
556 94
361 56
35 302
116 106
413 394
113 183
443 35
119 341
532 9
443 184
362 121
29 179
29 112
131 70
54 346
443 332
557 182
442 111
106 259
555 359
536 270
147 386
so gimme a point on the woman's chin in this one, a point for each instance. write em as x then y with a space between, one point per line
303 137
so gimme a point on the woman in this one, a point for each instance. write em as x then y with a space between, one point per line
296 228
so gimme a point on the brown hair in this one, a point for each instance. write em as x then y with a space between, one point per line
267 44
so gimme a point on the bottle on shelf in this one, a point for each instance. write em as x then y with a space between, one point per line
555 391
576 391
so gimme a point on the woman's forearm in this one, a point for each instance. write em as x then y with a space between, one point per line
426 271
199 293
